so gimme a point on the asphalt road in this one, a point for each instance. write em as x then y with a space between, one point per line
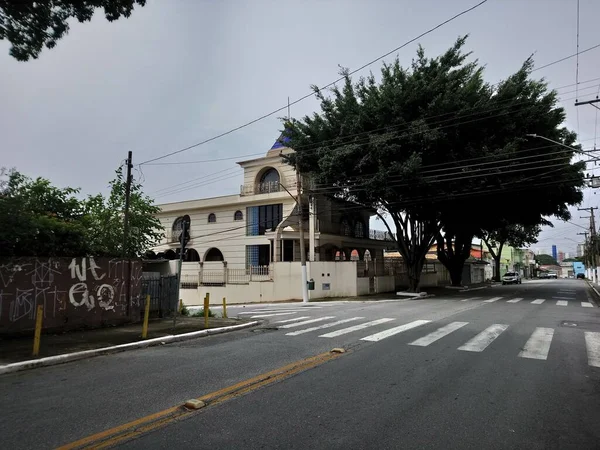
505 367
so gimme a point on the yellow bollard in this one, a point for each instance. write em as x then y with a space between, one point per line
180 305
206 302
146 317
38 330
224 308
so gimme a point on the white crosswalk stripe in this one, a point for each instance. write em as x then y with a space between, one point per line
538 301
392 331
592 343
272 315
562 303
563 298
306 322
361 326
587 305
480 342
294 319
470 299
272 311
538 345
515 300
321 327
438 334
493 299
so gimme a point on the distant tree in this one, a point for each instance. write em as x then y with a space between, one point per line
39 219
105 217
31 25
545 260
508 234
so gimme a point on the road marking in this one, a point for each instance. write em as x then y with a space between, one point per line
562 303
306 322
153 422
538 301
587 305
438 334
483 339
392 331
538 344
272 311
470 299
564 298
355 328
592 343
272 315
515 300
293 320
320 327
567 291
493 299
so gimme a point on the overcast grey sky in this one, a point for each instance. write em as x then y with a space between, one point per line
176 73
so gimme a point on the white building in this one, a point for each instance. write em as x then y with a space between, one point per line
246 247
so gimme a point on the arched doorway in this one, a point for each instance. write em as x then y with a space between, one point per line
213 254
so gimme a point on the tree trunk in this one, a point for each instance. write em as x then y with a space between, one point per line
414 274
453 250
456 273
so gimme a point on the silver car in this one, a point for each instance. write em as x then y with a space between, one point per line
511 278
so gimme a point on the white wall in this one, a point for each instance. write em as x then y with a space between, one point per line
362 286
340 275
385 284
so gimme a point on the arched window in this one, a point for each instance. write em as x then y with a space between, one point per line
212 218
214 254
268 181
191 255
345 229
176 229
238 215
359 229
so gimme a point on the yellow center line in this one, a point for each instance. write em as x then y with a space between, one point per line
130 430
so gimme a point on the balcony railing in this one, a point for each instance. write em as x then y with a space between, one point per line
267 187
381 235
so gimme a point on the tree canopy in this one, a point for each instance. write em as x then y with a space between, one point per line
39 219
440 153
545 260
29 25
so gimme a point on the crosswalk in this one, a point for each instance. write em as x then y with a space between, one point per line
557 301
537 345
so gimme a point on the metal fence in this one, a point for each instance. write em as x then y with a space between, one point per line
221 277
163 294
189 281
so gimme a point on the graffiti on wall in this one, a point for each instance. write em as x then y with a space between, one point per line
74 292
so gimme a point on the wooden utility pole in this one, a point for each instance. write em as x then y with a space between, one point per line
126 253
593 235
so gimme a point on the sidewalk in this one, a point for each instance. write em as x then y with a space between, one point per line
19 348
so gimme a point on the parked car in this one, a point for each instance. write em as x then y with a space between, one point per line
511 278
552 275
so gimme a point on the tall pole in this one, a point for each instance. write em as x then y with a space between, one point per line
126 253
301 231
181 248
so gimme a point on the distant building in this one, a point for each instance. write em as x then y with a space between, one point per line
561 257
567 255
554 253
580 250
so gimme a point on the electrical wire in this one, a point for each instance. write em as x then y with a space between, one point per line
324 87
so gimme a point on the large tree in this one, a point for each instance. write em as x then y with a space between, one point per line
31 25
411 145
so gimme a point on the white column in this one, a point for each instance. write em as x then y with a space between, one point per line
312 223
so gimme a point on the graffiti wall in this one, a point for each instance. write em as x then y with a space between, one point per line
75 292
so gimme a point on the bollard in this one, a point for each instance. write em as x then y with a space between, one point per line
180 305
206 302
224 308
146 317
38 330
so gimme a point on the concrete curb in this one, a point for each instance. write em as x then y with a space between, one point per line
68 357
595 290
475 289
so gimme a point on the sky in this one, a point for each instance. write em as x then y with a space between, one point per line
177 73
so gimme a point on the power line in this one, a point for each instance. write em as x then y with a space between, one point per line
324 87
567 57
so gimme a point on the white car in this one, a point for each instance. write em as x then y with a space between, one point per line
511 278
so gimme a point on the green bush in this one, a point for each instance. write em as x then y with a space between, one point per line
201 313
184 311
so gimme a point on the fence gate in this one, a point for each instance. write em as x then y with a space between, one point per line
163 294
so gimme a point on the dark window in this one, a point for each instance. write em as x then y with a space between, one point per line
238 215
269 216
269 182
345 228
191 255
288 250
214 254
270 176
264 255
212 218
359 229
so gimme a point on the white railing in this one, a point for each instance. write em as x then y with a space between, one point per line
267 187
226 275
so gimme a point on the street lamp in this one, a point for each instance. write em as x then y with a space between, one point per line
556 142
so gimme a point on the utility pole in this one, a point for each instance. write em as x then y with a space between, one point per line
586 253
183 240
301 231
593 236
126 230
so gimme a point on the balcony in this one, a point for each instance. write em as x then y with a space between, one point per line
267 187
378 235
